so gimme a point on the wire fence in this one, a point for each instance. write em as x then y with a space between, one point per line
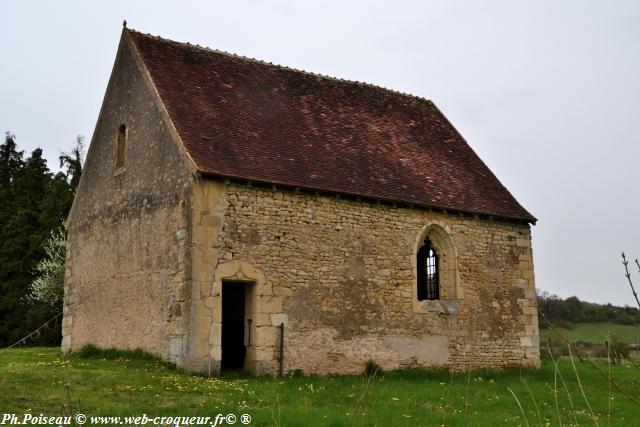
25 338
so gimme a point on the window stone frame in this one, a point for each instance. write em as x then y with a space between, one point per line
449 283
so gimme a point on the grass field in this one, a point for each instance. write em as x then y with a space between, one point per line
33 380
596 333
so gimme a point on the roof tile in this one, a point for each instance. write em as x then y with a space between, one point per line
243 118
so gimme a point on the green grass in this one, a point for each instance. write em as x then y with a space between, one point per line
596 333
33 380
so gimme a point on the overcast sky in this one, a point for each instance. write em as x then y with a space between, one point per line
546 92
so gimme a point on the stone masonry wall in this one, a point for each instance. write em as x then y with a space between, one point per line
341 274
127 276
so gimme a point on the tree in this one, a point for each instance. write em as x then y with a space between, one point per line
73 161
11 164
10 161
35 202
48 287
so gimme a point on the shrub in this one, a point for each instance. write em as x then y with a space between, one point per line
48 287
372 369
296 373
554 344
619 348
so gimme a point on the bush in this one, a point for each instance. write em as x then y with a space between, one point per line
296 373
372 369
619 349
554 344
48 287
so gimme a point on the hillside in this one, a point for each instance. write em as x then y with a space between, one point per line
596 333
565 313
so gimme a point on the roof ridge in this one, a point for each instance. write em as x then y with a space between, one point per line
285 67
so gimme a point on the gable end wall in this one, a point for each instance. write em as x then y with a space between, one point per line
127 277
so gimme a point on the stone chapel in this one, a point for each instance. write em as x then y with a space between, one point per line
236 214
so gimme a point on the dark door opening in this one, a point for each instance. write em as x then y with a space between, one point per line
233 348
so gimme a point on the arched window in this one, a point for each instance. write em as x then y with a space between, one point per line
428 277
122 146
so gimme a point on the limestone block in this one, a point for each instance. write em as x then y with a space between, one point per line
205 290
282 291
201 270
450 306
432 306
175 346
527 274
278 319
215 352
215 334
205 235
531 329
262 368
268 304
526 341
210 220
67 320
203 326
201 311
535 339
201 346
265 336
261 319
66 344
202 262
216 289
524 265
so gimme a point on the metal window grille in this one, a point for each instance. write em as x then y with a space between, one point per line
432 275
428 280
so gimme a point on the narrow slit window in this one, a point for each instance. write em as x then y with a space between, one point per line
122 146
428 280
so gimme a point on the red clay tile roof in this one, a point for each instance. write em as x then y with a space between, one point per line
243 118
